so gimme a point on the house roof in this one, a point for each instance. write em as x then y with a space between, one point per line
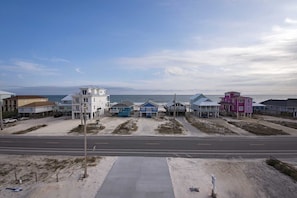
67 98
205 102
292 102
150 102
123 104
272 102
198 95
27 97
258 105
208 103
171 103
39 104
6 93
283 103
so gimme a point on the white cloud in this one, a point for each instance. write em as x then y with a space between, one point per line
29 68
78 70
266 65
290 21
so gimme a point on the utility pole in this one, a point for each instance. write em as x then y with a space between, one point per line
81 111
1 120
85 141
174 103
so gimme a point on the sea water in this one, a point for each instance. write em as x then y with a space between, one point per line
167 98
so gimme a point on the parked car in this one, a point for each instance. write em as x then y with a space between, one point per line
9 120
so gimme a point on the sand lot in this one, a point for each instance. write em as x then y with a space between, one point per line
235 178
145 126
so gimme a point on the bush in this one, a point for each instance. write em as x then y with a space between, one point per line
283 167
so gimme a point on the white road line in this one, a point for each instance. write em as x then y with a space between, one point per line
152 143
52 142
257 144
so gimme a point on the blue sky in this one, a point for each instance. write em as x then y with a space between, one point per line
149 46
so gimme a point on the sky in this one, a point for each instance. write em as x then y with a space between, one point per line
149 46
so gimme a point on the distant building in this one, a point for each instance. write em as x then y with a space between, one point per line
234 103
122 109
148 109
65 106
4 95
176 108
258 108
13 103
202 106
94 100
281 107
37 109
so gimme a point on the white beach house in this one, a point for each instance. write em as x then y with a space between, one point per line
65 106
94 100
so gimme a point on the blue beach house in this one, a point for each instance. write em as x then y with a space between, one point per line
123 109
148 109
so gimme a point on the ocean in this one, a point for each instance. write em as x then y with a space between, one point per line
167 98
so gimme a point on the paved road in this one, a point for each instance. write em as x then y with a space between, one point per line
157 146
137 177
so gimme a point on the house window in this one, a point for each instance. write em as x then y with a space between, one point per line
84 92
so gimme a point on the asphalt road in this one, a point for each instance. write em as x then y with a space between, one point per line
153 146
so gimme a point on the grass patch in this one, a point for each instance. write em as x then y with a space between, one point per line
284 123
30 129
92 128
207 127
170 127
126 128
258 129
283 167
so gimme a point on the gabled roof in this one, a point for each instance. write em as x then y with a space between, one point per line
205 102
39 104
67 98
6 93
150 102
198 95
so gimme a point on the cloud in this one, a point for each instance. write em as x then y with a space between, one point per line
29 68
290 21
254 67
52 59
78 70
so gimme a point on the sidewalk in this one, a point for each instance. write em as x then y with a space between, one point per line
137 177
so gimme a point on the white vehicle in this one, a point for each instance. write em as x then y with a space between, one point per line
9 120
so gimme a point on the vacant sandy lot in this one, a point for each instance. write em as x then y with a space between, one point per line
235 178
145 126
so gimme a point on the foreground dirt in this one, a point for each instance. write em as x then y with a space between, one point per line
46 170
234 179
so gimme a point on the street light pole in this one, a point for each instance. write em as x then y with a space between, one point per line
85 141
1 121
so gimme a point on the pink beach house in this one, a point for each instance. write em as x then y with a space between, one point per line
234 103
